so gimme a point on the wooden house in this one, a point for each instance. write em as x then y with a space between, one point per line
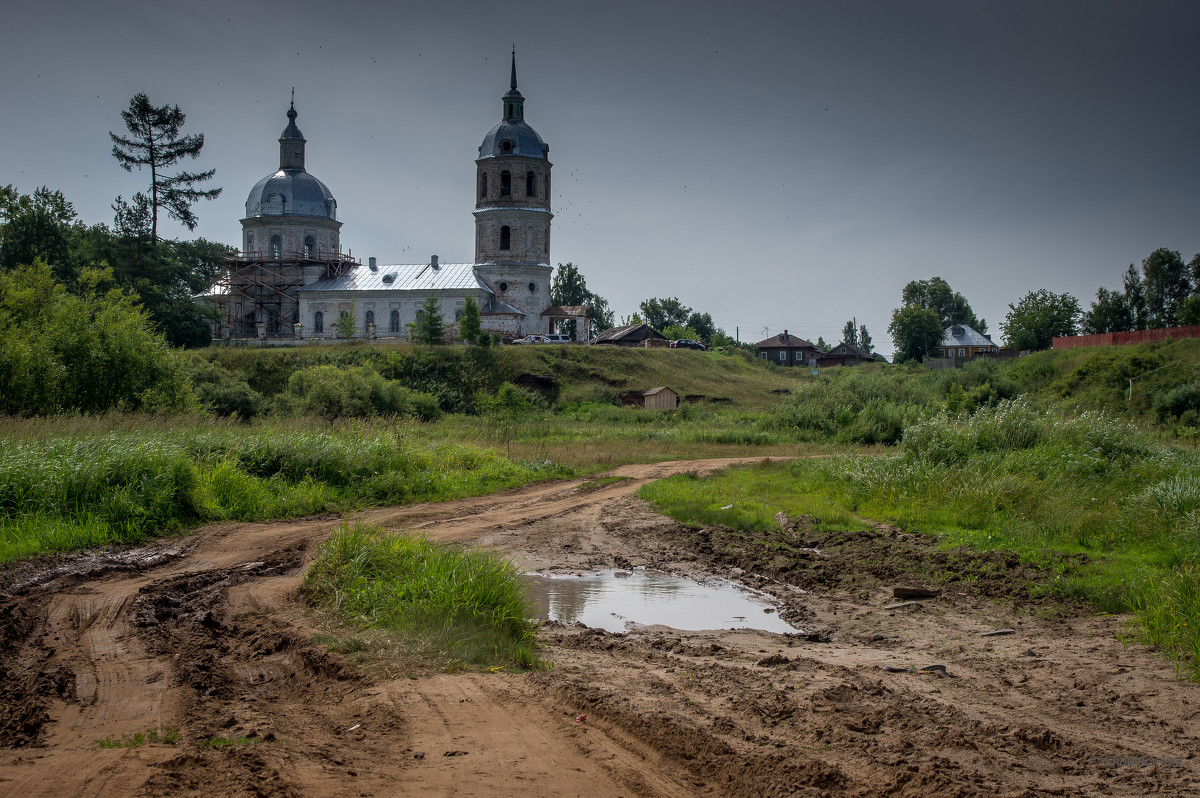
788 350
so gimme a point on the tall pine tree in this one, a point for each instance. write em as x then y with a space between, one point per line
155 142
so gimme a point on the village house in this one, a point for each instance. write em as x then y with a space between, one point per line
629 336
845 354
963 343
786 349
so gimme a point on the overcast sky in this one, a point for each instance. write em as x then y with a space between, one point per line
777 164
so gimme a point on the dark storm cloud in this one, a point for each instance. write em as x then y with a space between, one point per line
778 164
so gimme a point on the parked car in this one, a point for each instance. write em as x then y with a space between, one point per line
530 339
685 343
539 338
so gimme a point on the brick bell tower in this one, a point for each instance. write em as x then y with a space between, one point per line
512 211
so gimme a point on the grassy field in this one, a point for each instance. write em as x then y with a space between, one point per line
1011 478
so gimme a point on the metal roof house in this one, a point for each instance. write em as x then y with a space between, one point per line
961 343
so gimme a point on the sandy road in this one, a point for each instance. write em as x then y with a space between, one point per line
204 635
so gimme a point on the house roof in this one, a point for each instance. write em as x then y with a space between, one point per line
962 335
617 333
404 277
784 339
561 311
851 349
659 389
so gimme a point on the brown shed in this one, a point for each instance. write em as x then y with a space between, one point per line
661 398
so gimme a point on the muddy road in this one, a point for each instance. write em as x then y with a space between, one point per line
205 636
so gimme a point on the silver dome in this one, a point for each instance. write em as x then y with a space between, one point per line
523 140
291 192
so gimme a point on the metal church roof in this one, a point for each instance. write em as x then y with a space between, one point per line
404 277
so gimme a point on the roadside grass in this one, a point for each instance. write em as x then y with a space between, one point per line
165 736
1124 509
453 607
82 490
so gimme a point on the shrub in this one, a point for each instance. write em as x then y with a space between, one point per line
355 392
1176 402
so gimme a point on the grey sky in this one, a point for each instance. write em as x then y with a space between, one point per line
780 165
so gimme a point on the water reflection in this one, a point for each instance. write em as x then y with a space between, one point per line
613 599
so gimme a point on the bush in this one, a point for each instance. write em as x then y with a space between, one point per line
61 352
223 393
1173 404
355 392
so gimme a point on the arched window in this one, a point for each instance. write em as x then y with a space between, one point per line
318 322
394 322
370 317
249 242
276 247
505 237
310 244
530 184
483 185
506 184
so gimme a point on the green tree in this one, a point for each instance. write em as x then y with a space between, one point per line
1040 317
155 142
1168 284
864 339
570 288
950 306
469 323
87 352
662 313
916 332
820 344
430 328
346 324
1110 312
850 333
39 225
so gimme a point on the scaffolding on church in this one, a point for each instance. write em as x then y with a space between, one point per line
259 293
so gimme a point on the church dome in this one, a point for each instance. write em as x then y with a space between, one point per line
513 136
291 191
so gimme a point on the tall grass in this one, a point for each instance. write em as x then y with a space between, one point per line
84 490
1017 478
452 605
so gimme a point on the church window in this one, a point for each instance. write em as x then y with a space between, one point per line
532 287
506 184
249 242
506 145
310 244
319 322
483 185
505 237
458 314
276 247
503 286
394 321
370 319
530 185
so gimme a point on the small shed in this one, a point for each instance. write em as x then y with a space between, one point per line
630 335
661 398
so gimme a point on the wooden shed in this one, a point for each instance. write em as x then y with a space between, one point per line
661 398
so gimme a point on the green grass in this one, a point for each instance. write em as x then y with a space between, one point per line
225 742
1014 478
163 736
451 606
61 493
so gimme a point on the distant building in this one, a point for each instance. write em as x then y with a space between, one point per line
786 349
962 343
629 336
291 279
845 354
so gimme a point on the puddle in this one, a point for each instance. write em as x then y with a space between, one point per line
616 600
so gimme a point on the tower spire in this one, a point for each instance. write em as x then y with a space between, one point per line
291 141
514 103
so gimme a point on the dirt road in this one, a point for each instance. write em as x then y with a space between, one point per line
205 635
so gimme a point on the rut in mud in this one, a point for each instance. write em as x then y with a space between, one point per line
206 636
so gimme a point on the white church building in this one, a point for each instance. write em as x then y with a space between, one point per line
291 280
